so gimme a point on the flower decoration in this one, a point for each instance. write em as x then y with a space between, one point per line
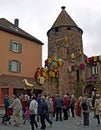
53 62
93 59
41 75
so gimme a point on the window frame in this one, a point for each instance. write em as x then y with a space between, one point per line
94 69
15 46
14 68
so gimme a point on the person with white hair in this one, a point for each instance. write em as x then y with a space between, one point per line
78 112
17 107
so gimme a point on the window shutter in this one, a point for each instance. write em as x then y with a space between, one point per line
20 48
19 66
10 45
9 65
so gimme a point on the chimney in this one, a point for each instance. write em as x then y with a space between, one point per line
16 23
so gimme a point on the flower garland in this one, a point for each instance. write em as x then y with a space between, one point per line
53 62
73 67
43 74
93 59
76 54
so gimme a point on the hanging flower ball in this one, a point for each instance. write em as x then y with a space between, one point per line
69 68
66 38
73 56
60 62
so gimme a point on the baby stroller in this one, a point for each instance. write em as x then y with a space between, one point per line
7 117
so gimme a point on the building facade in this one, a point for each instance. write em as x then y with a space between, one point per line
67 69
21 54
78 73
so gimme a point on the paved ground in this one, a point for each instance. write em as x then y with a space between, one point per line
70 124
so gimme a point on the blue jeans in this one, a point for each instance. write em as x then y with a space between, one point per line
47 118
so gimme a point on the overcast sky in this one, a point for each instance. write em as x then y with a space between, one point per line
37 16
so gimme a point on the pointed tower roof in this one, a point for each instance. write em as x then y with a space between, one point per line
64 19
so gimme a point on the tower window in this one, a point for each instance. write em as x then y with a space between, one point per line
56 29
78 76
94 69
68 28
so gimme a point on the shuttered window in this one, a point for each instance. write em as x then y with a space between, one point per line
14 66
15 46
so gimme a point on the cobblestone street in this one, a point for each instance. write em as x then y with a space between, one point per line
70 124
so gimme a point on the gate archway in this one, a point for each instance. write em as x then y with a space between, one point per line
89 89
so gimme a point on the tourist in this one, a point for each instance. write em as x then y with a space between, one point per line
97 107
78 111
58 102
72 105
33 112
38 99
44 113
51 108
65 106
17 107
86 106
6 103
24 104
26 115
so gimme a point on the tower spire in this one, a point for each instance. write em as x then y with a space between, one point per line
63 7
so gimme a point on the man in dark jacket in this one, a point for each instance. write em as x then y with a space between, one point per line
58 102
44 113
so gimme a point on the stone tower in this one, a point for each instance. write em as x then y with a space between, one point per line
65 42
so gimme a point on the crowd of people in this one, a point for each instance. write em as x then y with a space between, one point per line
46 108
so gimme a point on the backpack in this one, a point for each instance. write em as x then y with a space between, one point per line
84 105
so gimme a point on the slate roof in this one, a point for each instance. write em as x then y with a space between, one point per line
7 26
